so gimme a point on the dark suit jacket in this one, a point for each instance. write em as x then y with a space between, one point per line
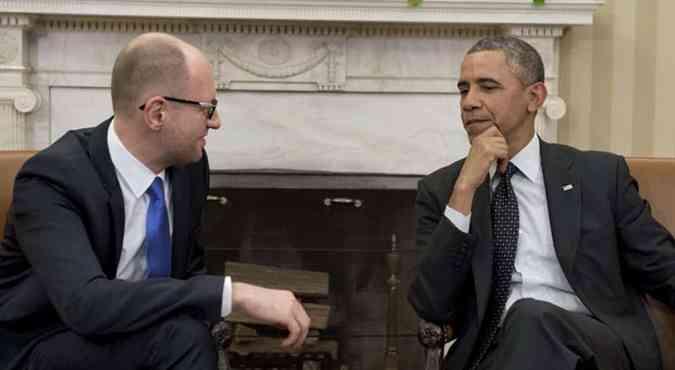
62 244
609 246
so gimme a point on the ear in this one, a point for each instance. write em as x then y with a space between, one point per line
155 113
537 94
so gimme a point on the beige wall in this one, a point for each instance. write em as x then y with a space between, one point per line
618 79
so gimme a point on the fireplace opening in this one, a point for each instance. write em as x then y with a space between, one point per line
341 224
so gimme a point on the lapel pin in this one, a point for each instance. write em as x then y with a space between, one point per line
567 187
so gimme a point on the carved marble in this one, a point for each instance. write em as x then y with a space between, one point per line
373 133
376 94
16 96
563 12
9 48
11 126
315 63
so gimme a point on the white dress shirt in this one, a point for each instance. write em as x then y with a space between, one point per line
135 179
537 273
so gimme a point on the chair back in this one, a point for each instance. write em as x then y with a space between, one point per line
10 164
656 178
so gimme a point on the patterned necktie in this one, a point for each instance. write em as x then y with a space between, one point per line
505 234
157 238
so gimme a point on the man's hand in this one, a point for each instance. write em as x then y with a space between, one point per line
276 307
487 148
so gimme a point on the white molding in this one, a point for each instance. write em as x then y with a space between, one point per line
266 70
15 103
555 107
58 23
402 61
561 12
16 20
529 31
9 47
13 127
24 99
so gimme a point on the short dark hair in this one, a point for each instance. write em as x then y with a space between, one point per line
155 63
521 56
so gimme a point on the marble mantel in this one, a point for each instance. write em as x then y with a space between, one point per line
312 85
560 12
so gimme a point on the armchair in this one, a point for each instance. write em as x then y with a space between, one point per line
656 178
10 163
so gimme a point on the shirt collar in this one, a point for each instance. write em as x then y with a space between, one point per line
129 168
528 161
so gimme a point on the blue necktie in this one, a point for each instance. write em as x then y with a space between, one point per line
157 238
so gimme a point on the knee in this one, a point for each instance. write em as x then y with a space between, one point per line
187 331
48 357
183 342
41 360
529 312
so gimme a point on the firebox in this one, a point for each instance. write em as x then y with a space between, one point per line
341 224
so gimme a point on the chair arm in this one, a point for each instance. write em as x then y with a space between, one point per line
433 338
663 319
221 331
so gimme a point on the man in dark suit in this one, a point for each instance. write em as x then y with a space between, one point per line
101 267
536 254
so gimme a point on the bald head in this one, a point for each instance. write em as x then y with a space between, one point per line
151 64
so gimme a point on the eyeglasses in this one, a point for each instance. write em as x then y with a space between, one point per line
210 108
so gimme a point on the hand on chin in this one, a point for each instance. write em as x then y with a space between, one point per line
475 128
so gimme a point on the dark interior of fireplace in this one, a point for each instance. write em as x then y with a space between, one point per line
343 228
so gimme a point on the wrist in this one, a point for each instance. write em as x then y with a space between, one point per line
464 187
239 295
461 198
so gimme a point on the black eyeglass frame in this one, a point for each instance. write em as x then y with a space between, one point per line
209 107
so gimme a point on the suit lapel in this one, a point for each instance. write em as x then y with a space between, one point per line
100 156
180 189
481 230
563 192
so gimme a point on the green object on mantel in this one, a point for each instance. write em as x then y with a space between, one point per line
416 3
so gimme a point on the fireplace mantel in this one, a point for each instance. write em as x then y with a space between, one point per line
561 12
310 85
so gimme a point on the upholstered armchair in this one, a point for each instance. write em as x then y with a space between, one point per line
10 164
656 178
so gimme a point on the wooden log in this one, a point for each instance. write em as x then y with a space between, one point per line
318 313
246 334
273 345
301 282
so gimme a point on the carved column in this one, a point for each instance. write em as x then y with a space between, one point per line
16 97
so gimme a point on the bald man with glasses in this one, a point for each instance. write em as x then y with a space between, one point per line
101 265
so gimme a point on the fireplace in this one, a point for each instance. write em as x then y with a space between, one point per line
305 84
341 224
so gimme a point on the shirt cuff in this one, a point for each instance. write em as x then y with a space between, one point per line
460 221
226 306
